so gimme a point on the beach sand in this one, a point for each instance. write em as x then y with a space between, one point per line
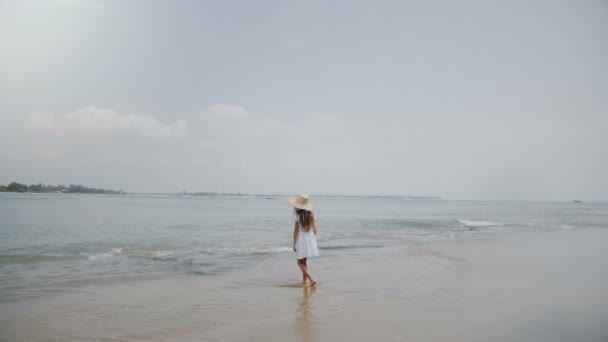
525 287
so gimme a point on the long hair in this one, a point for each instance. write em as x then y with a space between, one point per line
306 219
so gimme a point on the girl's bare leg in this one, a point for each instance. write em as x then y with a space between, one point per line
305 272
304 277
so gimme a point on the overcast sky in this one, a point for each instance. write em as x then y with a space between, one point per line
501 100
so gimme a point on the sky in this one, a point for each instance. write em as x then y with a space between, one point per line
484 100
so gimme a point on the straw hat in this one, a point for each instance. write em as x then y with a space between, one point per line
301 201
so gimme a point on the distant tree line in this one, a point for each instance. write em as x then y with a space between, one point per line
72 188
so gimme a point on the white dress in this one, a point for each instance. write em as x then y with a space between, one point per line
306 244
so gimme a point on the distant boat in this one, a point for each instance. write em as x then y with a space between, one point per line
577 201
270 197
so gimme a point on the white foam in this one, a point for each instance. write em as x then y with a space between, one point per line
475 223
334 236
272 250
159 254
548 225
250 250
95 256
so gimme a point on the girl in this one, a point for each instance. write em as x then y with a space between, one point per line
304 234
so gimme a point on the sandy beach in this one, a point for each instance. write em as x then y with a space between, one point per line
527 287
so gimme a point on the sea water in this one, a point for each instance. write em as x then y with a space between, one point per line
51 243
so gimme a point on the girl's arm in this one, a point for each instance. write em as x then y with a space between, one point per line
295 235
314 227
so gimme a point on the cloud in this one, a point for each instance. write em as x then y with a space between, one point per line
222 111
92 125
97 140
248 148
85 4
230 149
234 130
103 147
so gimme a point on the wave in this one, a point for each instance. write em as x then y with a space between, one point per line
457 224
430 224
348 247
143 253
248 250
472 224
95 256
476 224
340 236
413 223
130 253
546 225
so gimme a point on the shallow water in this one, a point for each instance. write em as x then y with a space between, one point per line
221 268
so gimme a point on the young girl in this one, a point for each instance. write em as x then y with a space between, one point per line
304 234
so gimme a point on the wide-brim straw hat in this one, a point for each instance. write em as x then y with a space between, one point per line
301 201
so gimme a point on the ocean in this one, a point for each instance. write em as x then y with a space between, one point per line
97 258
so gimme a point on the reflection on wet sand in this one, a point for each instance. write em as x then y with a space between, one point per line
304 324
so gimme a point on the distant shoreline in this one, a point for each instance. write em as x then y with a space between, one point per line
60 193
40 188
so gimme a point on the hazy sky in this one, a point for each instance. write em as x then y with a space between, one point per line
480 99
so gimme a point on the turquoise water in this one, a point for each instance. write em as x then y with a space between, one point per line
55 243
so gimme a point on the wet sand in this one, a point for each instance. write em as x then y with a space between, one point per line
525 287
